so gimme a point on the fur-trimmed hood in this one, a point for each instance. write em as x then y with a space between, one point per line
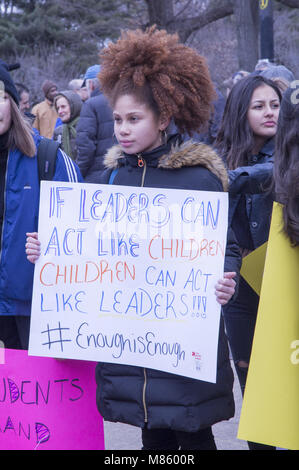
188 153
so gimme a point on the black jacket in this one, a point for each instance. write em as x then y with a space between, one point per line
135 395
94 136
250 213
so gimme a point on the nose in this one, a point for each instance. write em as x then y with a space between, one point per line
124 129
269 110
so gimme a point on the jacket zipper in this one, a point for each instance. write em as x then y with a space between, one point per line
143 395
4 207
142 164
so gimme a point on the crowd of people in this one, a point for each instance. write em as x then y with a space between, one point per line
150 116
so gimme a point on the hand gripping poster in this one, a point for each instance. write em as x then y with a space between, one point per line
128 275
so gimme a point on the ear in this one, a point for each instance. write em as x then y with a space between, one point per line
164 123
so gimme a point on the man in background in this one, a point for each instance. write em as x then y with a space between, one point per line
45 112
79 87
94 129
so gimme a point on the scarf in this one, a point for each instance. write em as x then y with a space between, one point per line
69 132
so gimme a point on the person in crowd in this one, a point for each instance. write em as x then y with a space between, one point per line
286 164
280 75
77 86
19 203
45 112
278 71
68 105
208 136
261 65
150 80
24 103
246 142
94 130
231 81
91 81
144 102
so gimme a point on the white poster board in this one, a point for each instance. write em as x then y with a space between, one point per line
128 275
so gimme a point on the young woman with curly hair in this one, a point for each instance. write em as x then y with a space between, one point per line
152 81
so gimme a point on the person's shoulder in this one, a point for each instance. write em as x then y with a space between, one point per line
66 169
37 106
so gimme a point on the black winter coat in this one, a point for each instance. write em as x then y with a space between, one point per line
250 213
94 136
139 396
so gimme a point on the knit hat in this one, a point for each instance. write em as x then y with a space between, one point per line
74 101
278 71
7 81
47 85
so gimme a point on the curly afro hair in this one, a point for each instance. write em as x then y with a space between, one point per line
171 78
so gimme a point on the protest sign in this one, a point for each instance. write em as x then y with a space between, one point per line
128 275
270 410
48 404
253 267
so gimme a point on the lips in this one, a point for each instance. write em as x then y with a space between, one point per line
126 143
269 124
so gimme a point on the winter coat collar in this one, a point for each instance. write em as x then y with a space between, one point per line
174 155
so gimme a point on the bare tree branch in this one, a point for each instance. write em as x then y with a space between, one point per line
290 3
215 11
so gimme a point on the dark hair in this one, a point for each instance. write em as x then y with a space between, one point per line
20 87
20 134
286 163
235 141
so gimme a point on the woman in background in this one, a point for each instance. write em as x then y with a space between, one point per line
19 205
246 139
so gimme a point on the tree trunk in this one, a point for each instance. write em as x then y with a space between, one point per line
266 31
247 24
161 13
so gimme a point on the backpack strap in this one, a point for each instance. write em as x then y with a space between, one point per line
46 158
113 175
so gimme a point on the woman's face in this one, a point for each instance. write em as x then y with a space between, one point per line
263 112
136 127
5 113
63 109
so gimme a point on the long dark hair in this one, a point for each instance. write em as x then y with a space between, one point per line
286 163
235 140
20 133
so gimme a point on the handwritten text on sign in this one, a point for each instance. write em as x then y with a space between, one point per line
127 275
48 404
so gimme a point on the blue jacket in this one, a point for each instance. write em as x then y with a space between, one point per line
21 206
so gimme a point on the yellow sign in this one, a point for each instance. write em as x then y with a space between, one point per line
253 268
270 411
264 4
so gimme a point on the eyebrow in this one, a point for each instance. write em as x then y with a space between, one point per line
263 101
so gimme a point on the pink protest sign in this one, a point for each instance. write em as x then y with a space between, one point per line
48 404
